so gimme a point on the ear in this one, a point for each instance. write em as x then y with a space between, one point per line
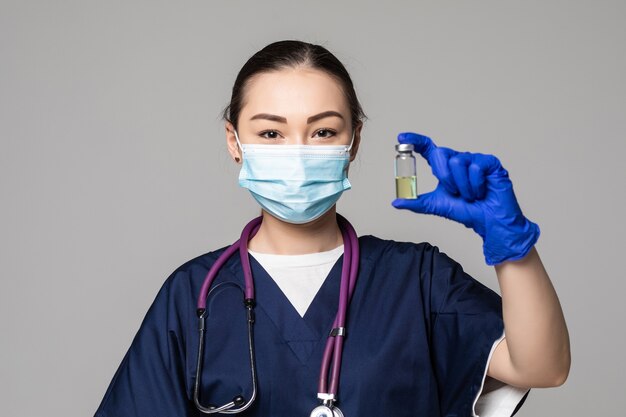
357 141
231 142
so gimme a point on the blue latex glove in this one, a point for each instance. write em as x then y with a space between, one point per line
475 190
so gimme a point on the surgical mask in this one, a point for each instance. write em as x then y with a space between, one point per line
296 183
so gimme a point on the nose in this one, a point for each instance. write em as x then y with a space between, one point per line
297 139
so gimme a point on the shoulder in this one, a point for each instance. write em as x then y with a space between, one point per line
428 255
437 273
193 271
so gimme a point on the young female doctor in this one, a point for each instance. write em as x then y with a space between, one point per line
299 317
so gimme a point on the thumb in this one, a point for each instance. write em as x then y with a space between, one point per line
423 204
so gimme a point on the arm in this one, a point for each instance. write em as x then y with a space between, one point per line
151 379
535 352
475 190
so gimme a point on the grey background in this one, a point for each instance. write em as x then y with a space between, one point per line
114 171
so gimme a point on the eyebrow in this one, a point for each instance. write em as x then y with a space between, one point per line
280 119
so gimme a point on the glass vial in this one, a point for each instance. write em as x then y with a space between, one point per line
406 172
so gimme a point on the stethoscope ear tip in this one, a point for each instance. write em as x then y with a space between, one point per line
239 400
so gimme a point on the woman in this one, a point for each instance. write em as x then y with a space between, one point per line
421 336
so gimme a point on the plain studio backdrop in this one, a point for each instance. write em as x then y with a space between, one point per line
114 170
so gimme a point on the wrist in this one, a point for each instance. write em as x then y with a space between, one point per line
510 241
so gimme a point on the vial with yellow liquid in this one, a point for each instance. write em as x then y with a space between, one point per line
406 172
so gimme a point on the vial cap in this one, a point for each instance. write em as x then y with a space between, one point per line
405 147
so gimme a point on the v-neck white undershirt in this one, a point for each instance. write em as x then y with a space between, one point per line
299 277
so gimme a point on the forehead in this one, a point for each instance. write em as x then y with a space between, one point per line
294 91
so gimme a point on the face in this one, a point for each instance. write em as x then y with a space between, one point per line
294 106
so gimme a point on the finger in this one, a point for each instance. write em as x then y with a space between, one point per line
477 180
482 166
488 163
422 144
441 169
458 167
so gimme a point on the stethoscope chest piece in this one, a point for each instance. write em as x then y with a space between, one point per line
324 411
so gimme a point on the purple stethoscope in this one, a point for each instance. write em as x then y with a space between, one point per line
334 343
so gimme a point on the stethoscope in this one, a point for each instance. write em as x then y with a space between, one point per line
334 343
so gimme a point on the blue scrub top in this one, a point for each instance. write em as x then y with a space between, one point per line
419 333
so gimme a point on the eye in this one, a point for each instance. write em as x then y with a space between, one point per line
325 133
269 134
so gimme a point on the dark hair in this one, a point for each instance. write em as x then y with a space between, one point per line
291 54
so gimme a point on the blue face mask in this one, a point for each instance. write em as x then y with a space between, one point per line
296 183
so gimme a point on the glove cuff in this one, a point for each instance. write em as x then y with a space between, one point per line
512 245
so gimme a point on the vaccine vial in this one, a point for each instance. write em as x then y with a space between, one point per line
406 172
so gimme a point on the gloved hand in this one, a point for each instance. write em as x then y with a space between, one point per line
475 190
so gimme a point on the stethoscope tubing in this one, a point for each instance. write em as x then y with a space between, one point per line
334 344
247 233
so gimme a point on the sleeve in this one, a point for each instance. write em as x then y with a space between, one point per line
466 325
496 398
150 381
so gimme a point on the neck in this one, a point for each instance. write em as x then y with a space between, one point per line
278 237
